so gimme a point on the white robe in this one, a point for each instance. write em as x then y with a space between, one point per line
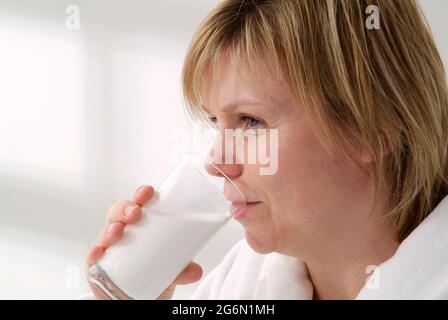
418 270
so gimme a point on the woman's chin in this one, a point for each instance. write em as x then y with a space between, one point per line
258 242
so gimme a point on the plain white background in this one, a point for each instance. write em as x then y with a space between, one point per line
87 116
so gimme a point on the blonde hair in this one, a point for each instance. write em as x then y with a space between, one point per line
382 90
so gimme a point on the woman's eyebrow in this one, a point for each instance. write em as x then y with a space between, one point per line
227 108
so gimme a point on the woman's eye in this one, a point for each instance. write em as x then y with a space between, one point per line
248 121
251 122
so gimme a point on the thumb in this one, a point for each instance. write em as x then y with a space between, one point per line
192 273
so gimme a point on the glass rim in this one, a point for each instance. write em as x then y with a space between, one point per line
225 176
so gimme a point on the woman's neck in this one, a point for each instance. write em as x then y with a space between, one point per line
341 269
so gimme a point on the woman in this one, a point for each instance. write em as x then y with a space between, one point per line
362 119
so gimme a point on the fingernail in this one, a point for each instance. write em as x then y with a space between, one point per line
140 188
127 211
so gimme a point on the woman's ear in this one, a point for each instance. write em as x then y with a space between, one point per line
368 157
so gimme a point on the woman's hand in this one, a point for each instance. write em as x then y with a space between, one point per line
128 212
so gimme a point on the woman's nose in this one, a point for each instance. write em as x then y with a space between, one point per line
216 166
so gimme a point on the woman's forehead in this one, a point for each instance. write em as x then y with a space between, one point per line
233 81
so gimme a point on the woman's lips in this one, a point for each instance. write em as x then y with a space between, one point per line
241 210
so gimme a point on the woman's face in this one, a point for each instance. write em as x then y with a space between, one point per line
313 196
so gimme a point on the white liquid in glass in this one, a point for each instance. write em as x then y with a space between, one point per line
154 251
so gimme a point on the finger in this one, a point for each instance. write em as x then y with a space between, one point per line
192 273
111 234
126 212
93 255
143 195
